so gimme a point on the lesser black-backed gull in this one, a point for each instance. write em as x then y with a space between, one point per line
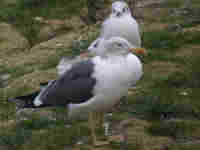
93 85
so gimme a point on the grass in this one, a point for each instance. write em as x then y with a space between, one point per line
190 146
38 132
76 49
168 101
126 146
14 139
160 40
162 44
172 95
46 8
23 13
175 128
39 123
172 3
52 61
16 71
180 12
169 40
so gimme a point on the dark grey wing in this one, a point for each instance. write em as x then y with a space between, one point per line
74 86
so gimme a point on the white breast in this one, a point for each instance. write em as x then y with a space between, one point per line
114 77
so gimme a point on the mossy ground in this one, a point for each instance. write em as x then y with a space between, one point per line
162 112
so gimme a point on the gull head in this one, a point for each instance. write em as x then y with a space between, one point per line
117 46
120 46
120 8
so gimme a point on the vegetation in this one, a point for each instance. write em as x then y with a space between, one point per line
165 103
23 14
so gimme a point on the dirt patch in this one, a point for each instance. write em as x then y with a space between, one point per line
40 53
32 80
192 29
135 132
150 15
163 68
11 41
154 26
189 50
8 123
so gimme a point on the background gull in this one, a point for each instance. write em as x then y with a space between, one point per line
121 23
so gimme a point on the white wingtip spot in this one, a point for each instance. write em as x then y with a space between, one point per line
37 101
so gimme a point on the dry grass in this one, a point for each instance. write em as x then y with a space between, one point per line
168 91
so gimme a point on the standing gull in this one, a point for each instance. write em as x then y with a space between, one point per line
121 23
93 85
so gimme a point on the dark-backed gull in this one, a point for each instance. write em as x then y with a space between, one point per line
93 85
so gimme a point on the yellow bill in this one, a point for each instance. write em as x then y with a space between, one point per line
140 51
86 55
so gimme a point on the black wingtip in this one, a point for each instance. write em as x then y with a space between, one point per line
44 83
25 101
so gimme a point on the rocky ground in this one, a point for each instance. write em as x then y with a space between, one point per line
163 111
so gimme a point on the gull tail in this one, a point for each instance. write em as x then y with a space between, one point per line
32 100
26 101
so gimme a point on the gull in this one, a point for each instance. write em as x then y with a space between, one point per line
121 23
93 85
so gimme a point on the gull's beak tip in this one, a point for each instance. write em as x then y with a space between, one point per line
140 51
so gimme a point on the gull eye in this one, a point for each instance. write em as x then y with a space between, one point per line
124 9
119 45
114 11
96 44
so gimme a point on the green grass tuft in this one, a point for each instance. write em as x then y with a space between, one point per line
175 128
186 146
160 40
14 139
172 3
23 13
39 123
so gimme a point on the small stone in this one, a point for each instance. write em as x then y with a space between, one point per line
68 126
5 77
110 114
79 143
39 19
184 93
59 44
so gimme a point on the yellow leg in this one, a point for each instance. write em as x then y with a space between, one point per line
101 118
92 128
93 134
